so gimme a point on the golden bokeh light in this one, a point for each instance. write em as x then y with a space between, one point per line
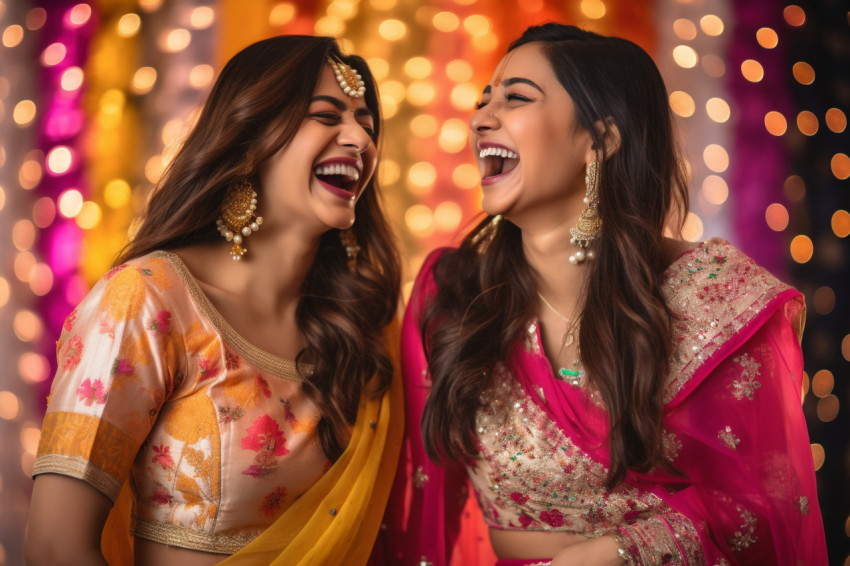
713 66
823 383
379 66
453 135
447 216
459 71
282 13
794 15
60 160
422 174
27 326
53 54
23 235
89 216
767 38
330 26
44 212
24 112
802 249
423 126
22 266
818 456
389 106
343 9
419 220
840 166
593 9
29 175
466 176
828 408
154 167
383 4
201 76
685 56
464 97
803 73
30 435
476 24
807 123
836 120
150 5
711 25
752 70
392 30
823 300
388 172
775 123
693 228
776 216
33 368
715 190
682 103
116 193
446 22
36 18
9 405
418 67
79 15
685 29
70 203
129 24
41 279
421 93
840 223
202 17
144 80
174 40
72 79
394 90
845 347
13 36
794 188
718 110
5 291
716 158
485 42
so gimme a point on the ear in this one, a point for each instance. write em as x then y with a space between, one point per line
610 134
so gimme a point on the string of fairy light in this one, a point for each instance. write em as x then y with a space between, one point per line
126 80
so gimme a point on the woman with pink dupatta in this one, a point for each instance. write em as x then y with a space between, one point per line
612 395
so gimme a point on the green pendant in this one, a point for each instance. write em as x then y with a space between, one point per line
564 372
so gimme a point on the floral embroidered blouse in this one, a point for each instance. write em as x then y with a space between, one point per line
153 386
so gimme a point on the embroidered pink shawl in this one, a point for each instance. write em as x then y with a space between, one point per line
733 426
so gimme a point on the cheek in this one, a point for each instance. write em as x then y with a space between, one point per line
370 161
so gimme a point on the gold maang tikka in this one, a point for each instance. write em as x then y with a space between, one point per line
350 81
238 218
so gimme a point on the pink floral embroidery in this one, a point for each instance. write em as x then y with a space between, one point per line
163 456
121 366
525 520
160 495
231 360
230 414
111 273
92 392
73 353
264 386
69 322
162 324
256 471
519 498
287 410
553 518
207 367
272 502
265 435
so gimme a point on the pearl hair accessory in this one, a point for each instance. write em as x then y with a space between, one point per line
235 222
589 223
350 81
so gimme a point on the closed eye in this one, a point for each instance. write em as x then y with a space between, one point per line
328 117
517 97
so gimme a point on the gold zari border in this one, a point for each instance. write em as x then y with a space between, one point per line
178 535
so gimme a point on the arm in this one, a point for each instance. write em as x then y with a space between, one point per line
54 540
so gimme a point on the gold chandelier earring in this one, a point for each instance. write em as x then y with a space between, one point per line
238 218
589 223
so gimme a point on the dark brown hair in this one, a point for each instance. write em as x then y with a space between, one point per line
254 109
485 297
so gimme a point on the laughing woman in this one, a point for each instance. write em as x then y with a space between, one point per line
248 408
614 396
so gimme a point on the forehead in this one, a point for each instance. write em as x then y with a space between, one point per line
527 61
328 86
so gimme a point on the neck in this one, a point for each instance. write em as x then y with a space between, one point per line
558 280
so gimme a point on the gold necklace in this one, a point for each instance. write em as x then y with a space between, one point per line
571 376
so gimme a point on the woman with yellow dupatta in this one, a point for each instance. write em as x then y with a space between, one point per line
244 404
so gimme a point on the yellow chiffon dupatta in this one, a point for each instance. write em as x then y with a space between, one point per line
337 520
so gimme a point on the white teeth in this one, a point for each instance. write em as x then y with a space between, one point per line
338 169
497 151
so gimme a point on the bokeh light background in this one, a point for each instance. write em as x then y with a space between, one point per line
95 97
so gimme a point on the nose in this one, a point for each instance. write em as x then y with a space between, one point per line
353 135
483 119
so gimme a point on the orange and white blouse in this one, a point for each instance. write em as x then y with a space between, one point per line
153 386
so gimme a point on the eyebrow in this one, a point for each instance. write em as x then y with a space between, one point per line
341 106
513 81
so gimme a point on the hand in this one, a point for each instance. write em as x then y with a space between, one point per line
601 551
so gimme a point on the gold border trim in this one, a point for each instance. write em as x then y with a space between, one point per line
275 365
178 535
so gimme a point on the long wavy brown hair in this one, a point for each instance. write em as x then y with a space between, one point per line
254 109
486 290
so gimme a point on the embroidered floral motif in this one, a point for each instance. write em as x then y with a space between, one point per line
803 505
747 384
231 360
230 414
288 415
672 445
265 438
419 477
92 392
161 325
161 495
163 456
745 536
553 518
73 353
728 438
263 386
122 366
68 325
272 502
207 367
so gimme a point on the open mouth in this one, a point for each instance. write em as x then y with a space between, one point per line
496 161
338 175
